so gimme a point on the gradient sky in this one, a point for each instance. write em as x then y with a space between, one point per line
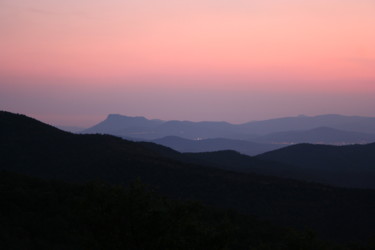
72 62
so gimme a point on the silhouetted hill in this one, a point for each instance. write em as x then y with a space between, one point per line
321 135
350 177
216 144
234 161
352 165
14 126
226 159
33 148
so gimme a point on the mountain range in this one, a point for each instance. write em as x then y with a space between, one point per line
250 138
320 135
34 148
142 128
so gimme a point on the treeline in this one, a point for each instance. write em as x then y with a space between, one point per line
40 214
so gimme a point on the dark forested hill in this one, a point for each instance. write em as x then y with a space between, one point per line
326 164
352 165
30 147
48 215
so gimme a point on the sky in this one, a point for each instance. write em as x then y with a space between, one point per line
72 62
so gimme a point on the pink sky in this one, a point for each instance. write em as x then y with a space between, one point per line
73 62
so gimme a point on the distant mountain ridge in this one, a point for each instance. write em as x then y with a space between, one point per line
141 128
348 123
119 124
320 135
216 144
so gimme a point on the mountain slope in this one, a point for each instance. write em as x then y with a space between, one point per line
352 165
33 148
352 174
